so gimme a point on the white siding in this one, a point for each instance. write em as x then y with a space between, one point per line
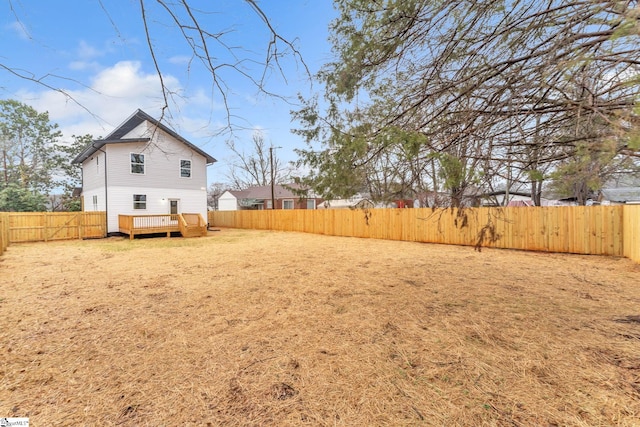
121 202
140 131
88 199
227 202
161 165
160 182
93 182
93 172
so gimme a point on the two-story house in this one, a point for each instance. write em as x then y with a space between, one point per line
143 168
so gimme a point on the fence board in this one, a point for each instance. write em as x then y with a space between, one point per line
47 226
4 232
630 233
602 230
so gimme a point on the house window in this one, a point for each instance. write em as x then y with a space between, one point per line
287 204
97 164
185 168
139 201
269 204
137 163
311 203
95 203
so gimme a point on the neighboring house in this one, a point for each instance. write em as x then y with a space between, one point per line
143 168
441 199
502 198
619 196
259 198
351 203
564 201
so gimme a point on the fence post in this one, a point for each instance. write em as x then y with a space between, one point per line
4 232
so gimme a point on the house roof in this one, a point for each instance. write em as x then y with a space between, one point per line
263 192
352 203
504 193
116 136
622 195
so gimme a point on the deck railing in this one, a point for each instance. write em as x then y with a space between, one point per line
148 224
188 224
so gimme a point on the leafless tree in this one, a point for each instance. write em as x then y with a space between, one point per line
505 89
214 192
256 165
205 41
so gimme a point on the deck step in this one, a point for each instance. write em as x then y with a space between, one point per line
191 229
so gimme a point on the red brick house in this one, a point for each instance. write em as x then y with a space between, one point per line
259 198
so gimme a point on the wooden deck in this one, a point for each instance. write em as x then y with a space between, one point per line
188 224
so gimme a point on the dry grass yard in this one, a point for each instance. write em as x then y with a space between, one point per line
255 328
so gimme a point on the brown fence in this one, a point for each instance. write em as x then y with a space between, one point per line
47 226
601 230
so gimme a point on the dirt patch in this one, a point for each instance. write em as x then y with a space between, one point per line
260 328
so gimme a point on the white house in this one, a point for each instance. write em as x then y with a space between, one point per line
504 198
355 202
143 168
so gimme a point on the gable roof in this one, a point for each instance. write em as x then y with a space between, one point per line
504 193
131 123
622 195
263 192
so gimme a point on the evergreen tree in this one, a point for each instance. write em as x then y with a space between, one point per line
27 148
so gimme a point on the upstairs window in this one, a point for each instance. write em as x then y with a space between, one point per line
137 163
139 201
185 168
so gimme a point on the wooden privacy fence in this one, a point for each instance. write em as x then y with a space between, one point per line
631 227
47 226
4 231
601 230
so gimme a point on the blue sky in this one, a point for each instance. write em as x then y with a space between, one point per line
97 53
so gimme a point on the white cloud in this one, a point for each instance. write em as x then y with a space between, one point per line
112 95
251 99
85 51
19 29
180 59
86 55
84 66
